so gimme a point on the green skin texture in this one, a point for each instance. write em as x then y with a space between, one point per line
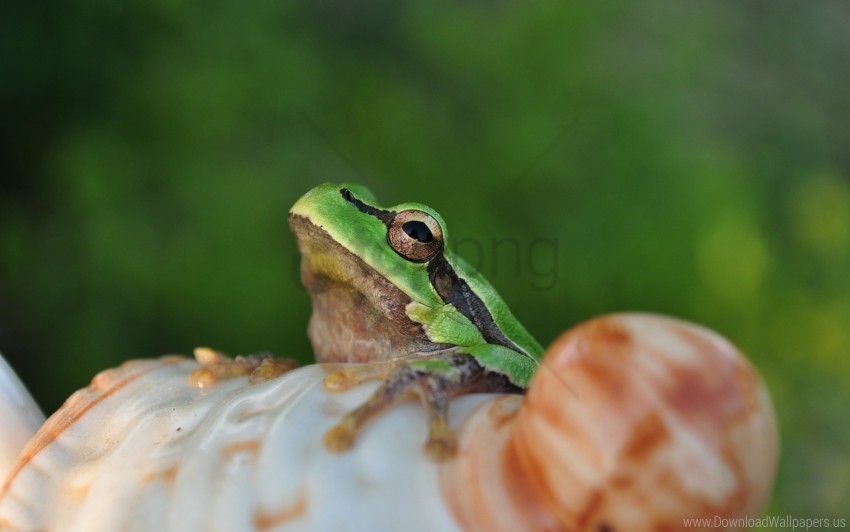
366 236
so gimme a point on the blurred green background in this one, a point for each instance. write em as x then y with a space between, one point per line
689 158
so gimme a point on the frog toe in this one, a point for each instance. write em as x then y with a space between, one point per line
441 444
340 438
271 368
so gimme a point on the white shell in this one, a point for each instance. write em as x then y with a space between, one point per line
20 417
140 449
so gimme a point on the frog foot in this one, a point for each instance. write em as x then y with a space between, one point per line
217 366
350 375
434 380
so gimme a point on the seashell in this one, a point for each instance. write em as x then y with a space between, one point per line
635 422
20 417
663 421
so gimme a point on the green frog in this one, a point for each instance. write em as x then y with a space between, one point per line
389 295
386 290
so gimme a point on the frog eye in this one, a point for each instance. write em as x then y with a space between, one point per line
415 235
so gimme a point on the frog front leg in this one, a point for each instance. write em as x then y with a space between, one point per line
434 380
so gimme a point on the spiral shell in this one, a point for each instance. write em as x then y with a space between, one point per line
637 422
20 417
634 422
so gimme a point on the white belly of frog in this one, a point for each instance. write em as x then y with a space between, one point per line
665 421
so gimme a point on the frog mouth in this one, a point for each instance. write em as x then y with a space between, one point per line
358 314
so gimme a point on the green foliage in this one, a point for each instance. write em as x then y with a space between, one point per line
685 158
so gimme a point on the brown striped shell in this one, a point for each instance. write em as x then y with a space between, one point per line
637 422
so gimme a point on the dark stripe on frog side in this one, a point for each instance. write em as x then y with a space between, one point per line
456 291
385 216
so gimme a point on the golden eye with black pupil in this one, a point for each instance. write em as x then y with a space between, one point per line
418 230
415 235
